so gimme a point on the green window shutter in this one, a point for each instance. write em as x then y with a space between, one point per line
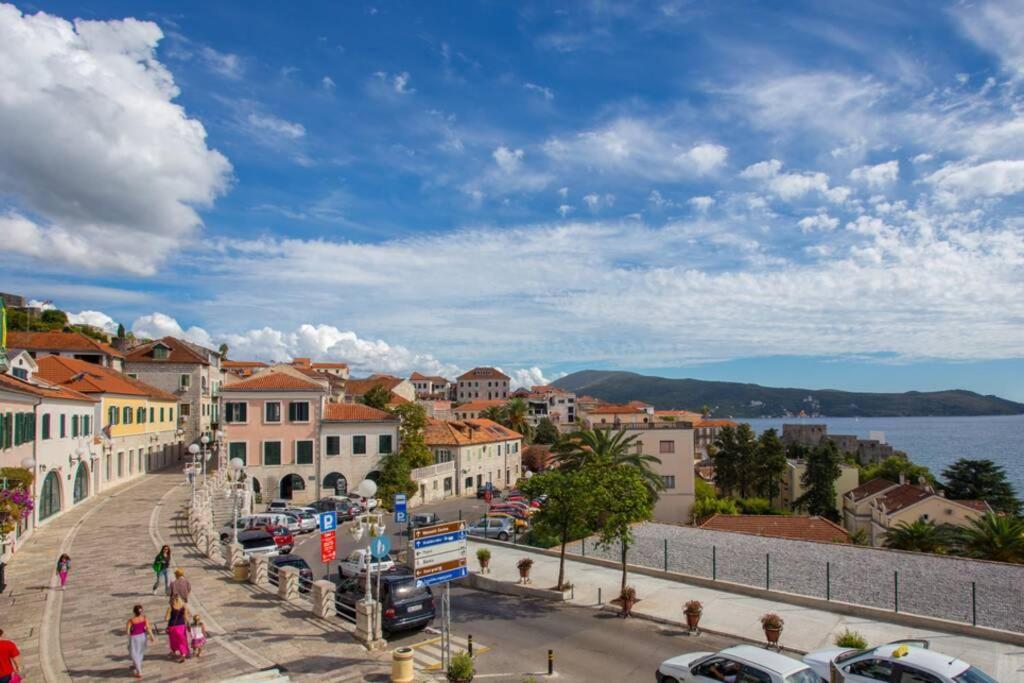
272 453
237 450
304 452
152 414
384 444
359 445
85 425
74 426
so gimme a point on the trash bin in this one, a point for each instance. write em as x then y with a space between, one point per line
241 572
401 665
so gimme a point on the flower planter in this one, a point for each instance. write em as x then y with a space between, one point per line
772 634
484 566
524 575
692 620
627 608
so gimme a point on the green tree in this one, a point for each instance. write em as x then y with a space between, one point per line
819 482
546 432
566 514
999 538
54 319
707 507
223 351
755 506
769 464
494 413
624 498
735 460
612 448
412 444
705 410
395 477
377 397
892 467
120 331
920 535
517 413
703 490
981 480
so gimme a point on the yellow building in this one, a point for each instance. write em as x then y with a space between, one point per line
138 423
791 487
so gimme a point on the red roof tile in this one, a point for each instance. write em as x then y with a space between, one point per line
59 341
979 505
53 391
615 410
179 352
780 526
903 496
227 364
355 412
359 387
480 405
332 366
89 378
484 373
871 488
273 381
466 432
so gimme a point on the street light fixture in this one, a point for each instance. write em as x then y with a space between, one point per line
204 439
193 451
236 467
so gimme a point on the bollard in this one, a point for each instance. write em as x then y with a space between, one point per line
714 563
460 514
896 591
322 595
287 583
469 644
583 545
767 571
551 662
402 670
599 596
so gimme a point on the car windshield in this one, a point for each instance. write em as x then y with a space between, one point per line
804 676
410 589
974 675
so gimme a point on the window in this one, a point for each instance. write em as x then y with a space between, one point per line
912 675
236 411
161 414
334 445
359 445
751 675
184 410
184 382
74 426
384 444
666 446
272 411
20 373
272 453
670 480
152 414
46 426
237 449
304 452
161 352
86 427
872 669
112 415
63 426
298 411
140 415
126 415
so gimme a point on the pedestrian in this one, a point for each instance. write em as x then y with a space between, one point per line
180 587
162 568
10 664
177 623
198 634
139 633
63 567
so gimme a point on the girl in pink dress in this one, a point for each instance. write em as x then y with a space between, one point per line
197 632
63 567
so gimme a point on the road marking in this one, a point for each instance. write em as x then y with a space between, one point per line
427 653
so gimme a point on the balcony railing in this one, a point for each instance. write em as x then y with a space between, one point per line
629 426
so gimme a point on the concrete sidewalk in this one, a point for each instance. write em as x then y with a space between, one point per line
737 615
112 538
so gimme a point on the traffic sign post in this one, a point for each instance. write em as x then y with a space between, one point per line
400 508
380 547
439 556
328 539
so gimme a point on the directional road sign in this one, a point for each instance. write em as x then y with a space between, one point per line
328 521
439 552
400 510
380 547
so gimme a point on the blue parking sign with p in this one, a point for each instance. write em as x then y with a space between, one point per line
328 521
401 513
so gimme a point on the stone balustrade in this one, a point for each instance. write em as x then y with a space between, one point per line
258 570
322 595
287 583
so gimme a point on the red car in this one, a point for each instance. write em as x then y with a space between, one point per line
282 537
513 510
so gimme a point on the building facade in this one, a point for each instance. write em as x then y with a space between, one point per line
353 439
432 387
482 383
791 487
867 451
482 451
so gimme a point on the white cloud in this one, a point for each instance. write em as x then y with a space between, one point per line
659 201
546 93
276 126
706 158
157 325
564 210
510 175
879 175
922 158
595 202
998 27
42 305
965 180
94 318
530 377
327 82
821 223
762 170
790 186
508 160
103 170
701 204
224 63
397 83
563 192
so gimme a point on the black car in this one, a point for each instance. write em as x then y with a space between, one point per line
481 490
346 509
406 603
296 562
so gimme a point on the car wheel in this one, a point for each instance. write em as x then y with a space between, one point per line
502 536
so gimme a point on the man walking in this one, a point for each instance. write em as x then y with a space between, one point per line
10 663
180 587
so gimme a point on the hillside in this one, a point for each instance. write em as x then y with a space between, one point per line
753 400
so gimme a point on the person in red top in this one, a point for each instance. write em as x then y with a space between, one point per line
9 663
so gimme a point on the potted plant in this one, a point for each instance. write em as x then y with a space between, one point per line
772 625
693 609
627 598
483 556
460 669
524 565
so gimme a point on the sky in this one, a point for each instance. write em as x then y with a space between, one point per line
799 194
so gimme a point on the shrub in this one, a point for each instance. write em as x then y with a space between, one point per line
706 507
693 607
628 593
524 563
461 668
851 639
771 620
483 554
755 506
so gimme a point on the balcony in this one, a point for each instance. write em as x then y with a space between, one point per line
641 426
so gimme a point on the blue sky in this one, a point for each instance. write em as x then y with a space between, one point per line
800 194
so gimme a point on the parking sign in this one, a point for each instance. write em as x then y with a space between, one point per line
401 514
328 521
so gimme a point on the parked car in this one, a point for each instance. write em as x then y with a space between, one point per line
481 490
257 542
406 603
279 505
347 510
306 517
367 504
512 510
253 522
324 505
282 537
421 519
909 660
500 528
356 563
296 562
520 523
740 663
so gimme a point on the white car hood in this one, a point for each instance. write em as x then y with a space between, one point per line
819 660
680 664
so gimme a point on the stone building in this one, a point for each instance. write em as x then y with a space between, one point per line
867 451
482 451
482 383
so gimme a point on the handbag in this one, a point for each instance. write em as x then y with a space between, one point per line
15 677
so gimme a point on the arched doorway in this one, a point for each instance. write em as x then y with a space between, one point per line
374 477
49 496
81 490
335 484
291 483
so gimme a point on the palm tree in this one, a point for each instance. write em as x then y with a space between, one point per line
495 413
920 535
516 412
999 538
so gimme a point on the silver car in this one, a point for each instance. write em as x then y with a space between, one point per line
501 528
909 660
738 664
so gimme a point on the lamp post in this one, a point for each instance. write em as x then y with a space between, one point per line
222 453
205 440
370 524
193 451
236 467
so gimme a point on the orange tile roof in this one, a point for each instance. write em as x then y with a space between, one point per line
359 387
180 352
355 412
480 405
273 381
639 404
780 526
436 379
903 496
54 391
227 364
59 341
870 488
89 378
979 505
339 366
484 373
615 410
715 423
466 432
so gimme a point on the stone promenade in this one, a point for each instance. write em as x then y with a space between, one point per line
112 538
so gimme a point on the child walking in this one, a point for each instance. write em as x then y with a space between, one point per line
63 567
198 634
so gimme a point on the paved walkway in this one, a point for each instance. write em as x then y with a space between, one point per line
112 538
738 615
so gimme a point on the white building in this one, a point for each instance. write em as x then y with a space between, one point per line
353 439
483 451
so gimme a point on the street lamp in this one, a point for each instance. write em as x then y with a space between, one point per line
236 467
193 451
204 439
368 523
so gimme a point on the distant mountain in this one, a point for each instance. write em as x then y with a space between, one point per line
753 400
